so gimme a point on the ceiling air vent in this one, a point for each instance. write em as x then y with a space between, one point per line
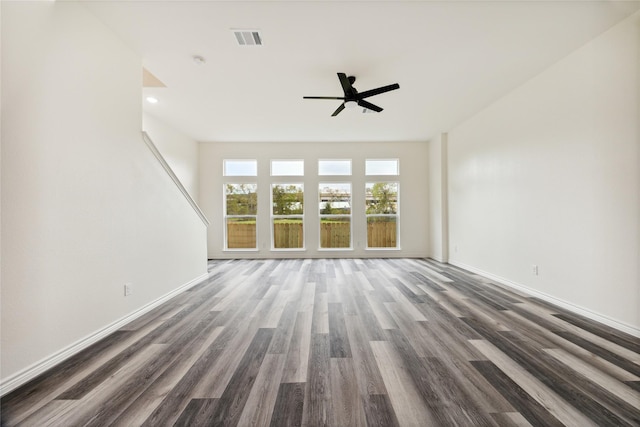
248 37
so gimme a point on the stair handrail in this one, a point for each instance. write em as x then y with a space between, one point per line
147 140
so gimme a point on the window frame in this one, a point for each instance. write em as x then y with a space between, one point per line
336 160
397 161
226 217
395 215
226 174
271 173
337 216
273 217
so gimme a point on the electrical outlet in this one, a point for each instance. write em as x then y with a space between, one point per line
127 289
534 270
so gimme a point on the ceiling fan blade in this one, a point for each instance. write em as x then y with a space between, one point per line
383 89
369 106
323 97
348 90
340 108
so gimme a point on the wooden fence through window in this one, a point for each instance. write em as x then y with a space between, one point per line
381 234
332 235
335 235
288 235
241 235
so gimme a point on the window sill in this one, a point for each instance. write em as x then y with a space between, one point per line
382 249
334 249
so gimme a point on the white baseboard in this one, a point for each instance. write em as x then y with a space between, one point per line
621 326
22 377
371 253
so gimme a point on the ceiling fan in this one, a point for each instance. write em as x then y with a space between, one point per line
352 97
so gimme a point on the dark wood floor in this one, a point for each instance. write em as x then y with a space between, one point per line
344 343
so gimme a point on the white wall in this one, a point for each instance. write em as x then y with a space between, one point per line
413 194
550 175
438 215
85 205
179 150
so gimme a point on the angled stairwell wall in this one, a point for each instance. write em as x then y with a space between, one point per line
86 207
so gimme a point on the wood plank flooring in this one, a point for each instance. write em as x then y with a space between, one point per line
344 342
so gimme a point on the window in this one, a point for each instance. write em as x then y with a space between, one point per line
334 167
381 167
287 215
287 167
240 168
335 215
240 208
382 214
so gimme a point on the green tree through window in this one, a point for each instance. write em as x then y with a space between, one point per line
242 199
382 198
287 199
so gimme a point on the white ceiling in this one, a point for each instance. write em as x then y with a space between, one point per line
451 59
